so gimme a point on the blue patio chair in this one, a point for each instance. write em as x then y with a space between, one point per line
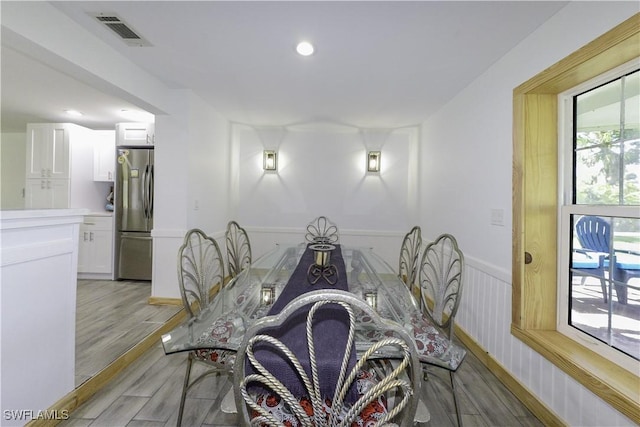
592 259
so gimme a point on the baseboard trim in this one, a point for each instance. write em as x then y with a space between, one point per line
524 395
71 401
164 301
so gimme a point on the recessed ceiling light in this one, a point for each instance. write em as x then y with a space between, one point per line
74 113
305 48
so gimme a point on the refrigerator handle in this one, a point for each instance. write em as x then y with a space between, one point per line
143 185
150 192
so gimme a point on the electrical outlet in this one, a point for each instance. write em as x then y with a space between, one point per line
497 217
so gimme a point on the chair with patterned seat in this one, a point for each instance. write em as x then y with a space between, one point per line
238 248
440 278
379 386
200 276
409 257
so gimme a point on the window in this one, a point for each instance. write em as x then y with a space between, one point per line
599 298
537 224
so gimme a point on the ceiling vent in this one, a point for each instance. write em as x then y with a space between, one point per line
118 26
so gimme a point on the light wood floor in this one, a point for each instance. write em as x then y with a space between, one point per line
111 317
147 393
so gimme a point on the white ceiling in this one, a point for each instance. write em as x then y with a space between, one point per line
377 64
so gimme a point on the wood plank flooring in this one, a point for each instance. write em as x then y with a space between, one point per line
147 394
111 317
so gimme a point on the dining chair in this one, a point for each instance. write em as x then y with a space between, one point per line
385 374
238 248
440 278
321 229
200 276
409 257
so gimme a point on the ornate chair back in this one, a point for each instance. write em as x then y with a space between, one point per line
238 248
322 230
409 256
394 355
441 270
200 270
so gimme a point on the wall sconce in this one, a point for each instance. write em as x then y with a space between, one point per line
371 298
373 161
270 160
267 294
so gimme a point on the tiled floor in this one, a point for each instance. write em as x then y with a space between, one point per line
111 317
147 394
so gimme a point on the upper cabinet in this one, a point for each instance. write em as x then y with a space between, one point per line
48 150
104 155
135 134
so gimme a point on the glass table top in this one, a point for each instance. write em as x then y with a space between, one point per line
249 296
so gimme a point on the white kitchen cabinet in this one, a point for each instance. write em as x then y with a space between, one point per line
135 134
59 169
48 150
104 156
47 193
95 253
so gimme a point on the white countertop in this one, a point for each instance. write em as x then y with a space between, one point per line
31 217
103 213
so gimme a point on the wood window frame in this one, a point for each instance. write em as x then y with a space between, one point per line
535 216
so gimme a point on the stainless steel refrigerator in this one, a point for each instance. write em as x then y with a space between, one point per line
134 212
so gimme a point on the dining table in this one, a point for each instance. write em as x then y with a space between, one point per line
265 285
287 272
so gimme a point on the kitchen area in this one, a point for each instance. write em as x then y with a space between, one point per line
107 172
77 214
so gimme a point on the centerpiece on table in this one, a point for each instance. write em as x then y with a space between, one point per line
322 267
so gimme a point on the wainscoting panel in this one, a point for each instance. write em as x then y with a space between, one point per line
485 315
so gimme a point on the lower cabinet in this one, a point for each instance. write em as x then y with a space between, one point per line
46 193
96 245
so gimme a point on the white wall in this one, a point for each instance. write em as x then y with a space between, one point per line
466 165
321 171
192 181
85 192
13 148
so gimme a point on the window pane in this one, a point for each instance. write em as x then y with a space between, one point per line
607 143
605 295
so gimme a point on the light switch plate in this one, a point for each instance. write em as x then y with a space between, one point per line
497 217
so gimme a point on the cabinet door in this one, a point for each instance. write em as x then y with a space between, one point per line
104 159
59 193
85 255
46 194
47 151
96 245
36 194
60 153
135 134
37 151
102 243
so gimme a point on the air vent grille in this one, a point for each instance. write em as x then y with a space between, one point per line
108 18
123 31
129 36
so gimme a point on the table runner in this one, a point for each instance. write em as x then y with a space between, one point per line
331 327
